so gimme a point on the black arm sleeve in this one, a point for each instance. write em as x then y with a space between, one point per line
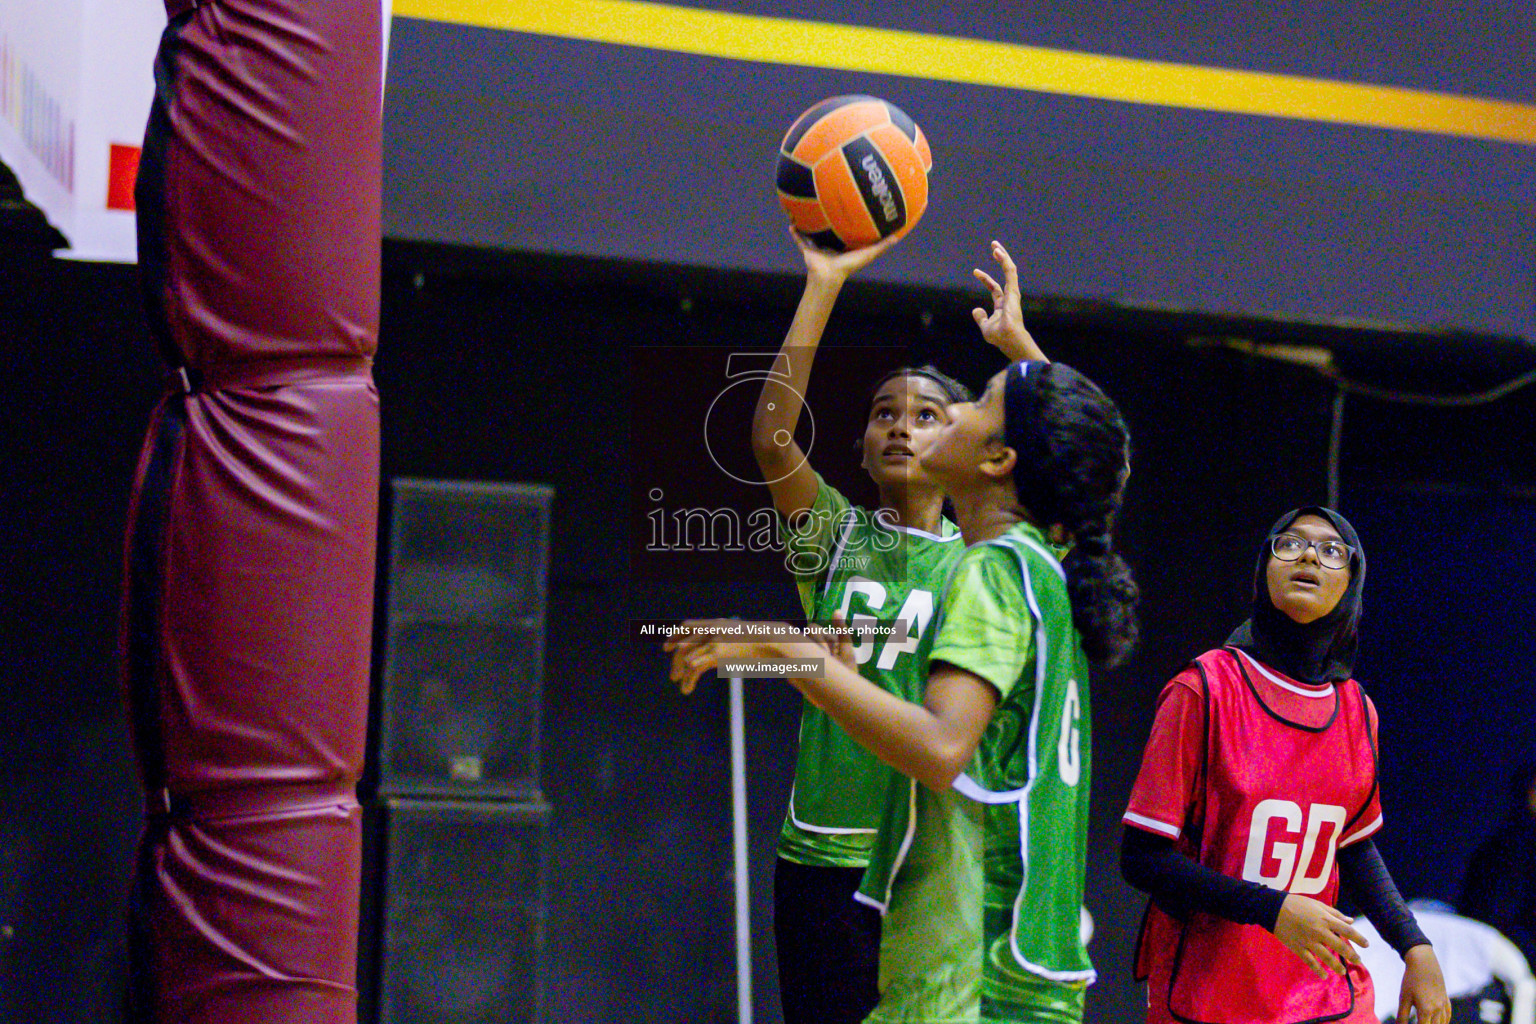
1178 885
1364 876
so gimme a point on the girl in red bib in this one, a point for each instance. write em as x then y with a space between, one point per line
1256 801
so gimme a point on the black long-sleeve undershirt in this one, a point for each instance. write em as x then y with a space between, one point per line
1364 876
1179 885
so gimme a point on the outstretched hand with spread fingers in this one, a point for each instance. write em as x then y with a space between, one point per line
699 646
1003 328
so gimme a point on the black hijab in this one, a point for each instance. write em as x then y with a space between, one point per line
1318 652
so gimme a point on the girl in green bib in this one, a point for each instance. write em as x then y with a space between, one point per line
883 564
981 873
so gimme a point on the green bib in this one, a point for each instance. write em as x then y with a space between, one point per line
1006 617
847 561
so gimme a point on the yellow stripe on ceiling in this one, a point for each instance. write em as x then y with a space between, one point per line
982 62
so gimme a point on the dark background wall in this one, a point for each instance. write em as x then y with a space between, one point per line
516 368
531 142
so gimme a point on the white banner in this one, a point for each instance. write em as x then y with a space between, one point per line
76 82
75 87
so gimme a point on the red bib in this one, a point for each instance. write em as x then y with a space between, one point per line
1288 776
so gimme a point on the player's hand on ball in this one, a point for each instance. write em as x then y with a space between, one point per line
1318 933
837 267
1003 328
1423 988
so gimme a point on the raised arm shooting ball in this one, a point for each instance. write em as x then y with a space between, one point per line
853 170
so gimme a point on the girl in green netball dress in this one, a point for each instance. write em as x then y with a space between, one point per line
882 564
982 873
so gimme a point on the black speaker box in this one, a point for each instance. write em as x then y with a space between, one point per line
461 912
462 677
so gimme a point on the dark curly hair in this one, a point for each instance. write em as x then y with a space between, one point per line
953 389
1073 460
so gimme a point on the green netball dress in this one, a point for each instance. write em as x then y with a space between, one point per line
985 883
845 560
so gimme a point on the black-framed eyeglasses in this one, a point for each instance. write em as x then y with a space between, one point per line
1332 554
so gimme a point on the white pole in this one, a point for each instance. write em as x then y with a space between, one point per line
739 841
388 14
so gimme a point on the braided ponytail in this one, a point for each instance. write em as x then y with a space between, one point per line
1103 596
1073 458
